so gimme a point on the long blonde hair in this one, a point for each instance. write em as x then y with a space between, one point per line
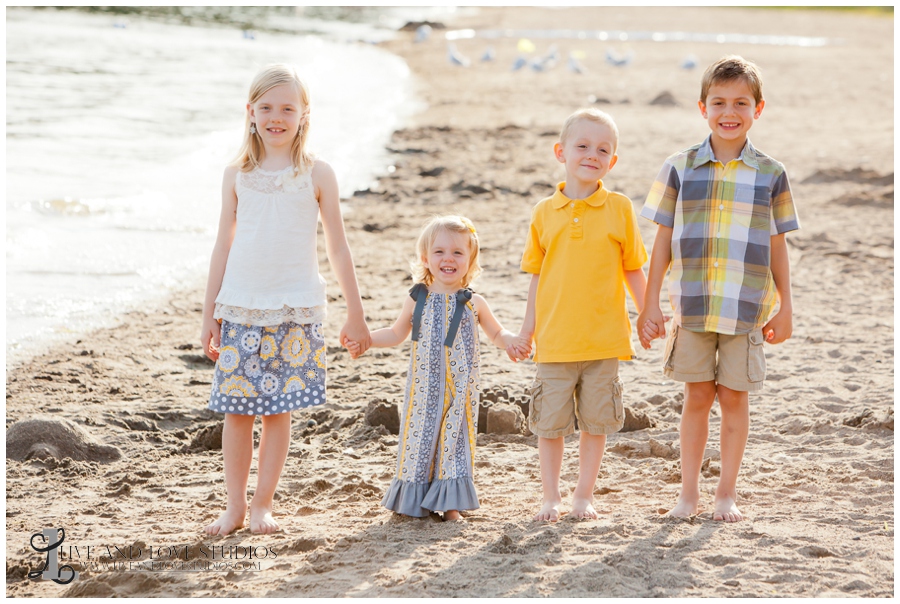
251 151
452 224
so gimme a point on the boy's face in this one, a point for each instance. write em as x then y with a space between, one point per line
730 109
589 151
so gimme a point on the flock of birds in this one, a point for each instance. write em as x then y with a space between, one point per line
539 63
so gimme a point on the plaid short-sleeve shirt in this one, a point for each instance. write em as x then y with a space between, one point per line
722 219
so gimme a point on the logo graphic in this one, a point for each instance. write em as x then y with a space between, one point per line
52 570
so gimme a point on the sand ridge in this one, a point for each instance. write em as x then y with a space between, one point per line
817 482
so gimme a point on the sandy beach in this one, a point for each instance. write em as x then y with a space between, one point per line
130 455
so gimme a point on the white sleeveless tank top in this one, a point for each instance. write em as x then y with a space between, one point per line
272 273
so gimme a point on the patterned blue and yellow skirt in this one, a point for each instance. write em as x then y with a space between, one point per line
269 370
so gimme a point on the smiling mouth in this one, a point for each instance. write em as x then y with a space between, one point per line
448 270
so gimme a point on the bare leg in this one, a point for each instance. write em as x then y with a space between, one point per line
550 451
237 452
452 516
694 431
273 449
735 428
590 454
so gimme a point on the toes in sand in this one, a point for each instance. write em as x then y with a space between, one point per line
262 522
726 510
683 509
229 521
583 509
549 512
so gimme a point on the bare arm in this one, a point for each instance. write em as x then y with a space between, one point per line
637 287
651 323
209 331
528 323
389 336
781 326
339 255
517 347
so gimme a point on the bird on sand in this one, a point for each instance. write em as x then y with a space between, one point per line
617 60
455 57
422 33
573 64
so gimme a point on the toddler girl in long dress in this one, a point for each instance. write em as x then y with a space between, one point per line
439 420
265 299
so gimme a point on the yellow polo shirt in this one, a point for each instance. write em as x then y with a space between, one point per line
581 248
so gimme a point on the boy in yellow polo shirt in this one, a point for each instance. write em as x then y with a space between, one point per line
583 248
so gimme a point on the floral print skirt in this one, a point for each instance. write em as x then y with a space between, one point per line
269 370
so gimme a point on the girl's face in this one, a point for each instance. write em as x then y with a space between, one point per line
448 260
278 115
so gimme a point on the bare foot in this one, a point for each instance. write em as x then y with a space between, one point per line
582 509
683 509
727 511
229 521
452 516
262 522
550 512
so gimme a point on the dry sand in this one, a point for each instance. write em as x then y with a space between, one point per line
817 481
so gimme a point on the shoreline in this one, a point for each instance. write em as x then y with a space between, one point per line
821 436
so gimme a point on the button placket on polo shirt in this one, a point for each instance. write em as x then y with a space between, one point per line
576 219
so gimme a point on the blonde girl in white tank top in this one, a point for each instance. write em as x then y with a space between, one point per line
265 299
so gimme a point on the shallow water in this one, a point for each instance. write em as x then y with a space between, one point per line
117 135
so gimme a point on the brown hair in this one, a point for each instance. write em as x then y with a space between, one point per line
452 224
251 151
728 69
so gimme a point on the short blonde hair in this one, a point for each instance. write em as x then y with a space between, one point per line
452 224
728 69
593 115
251 152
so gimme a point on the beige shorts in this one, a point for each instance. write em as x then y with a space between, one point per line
589 391
737 362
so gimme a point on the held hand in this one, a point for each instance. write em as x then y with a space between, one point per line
523 347
512 353
651 324
518 349
358 333
779 328
353 348
210 336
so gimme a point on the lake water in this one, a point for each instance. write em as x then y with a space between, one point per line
117 135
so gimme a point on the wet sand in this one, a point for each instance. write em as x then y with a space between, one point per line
816 486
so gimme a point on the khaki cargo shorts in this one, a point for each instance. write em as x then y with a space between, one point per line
737 362
589 391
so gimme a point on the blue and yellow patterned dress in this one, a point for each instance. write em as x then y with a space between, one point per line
439 420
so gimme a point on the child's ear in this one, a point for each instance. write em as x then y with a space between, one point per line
558 152
250 110
613 160
759 108
702 107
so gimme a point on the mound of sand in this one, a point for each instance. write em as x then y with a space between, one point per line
43 438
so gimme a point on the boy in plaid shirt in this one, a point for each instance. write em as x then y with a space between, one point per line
723 209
